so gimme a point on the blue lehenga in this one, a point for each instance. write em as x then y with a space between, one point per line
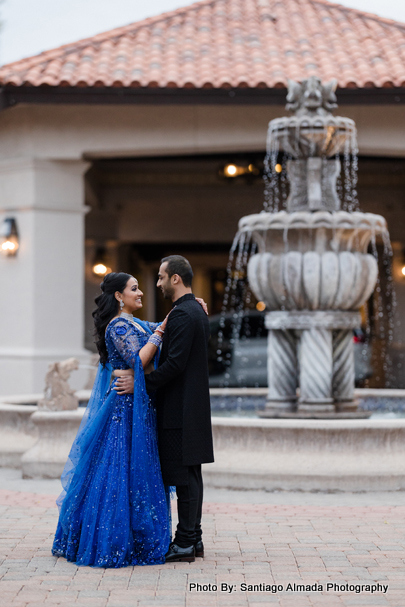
114 510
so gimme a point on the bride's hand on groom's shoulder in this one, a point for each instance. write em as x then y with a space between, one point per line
202 304
164 323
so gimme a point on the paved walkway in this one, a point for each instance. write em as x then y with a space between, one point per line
349 549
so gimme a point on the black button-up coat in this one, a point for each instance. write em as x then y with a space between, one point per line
181 384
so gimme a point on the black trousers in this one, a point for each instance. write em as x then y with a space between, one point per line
189 508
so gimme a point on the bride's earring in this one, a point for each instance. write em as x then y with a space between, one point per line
121 304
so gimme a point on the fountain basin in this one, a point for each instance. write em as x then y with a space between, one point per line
306 136
37 441
269 454
17 433
319 230
313 281
56 433
319 219
308 455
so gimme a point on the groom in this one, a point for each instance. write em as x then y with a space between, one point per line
183 404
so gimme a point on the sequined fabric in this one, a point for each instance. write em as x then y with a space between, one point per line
114 510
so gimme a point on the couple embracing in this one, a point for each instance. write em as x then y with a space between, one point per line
143 434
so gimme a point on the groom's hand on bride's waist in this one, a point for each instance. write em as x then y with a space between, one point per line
124 383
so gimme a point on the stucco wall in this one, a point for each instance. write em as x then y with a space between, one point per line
71 131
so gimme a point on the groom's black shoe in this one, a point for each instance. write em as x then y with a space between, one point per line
177 553
199 549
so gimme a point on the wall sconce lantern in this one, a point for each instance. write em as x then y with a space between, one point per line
9 241
100 266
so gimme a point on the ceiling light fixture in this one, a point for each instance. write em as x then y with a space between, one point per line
231 170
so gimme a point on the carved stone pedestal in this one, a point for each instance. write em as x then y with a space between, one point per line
316 368
320 343
282 371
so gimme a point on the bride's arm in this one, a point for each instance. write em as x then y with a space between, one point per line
148 351
127 344
125 377
125 383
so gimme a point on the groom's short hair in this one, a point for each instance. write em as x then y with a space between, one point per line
176 264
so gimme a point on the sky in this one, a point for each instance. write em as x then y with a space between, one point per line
32 26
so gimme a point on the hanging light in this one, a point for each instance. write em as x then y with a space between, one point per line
235 170
9 241
252 170
100 266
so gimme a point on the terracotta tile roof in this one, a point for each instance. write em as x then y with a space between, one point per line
223 43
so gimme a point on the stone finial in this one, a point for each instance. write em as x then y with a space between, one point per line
58 395
311 97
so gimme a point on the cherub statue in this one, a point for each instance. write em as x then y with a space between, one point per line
311 97
58 395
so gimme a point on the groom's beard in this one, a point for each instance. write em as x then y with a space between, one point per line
167 293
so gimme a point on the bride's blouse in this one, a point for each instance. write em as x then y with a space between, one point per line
124 339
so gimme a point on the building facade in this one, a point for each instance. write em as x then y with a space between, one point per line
113 148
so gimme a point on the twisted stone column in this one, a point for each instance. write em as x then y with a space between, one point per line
321 373
282 368
343 366
316 366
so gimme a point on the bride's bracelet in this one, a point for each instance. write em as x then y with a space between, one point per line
159 330
156 340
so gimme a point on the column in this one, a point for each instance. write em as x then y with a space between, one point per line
42 303
282 371
343 368
316 370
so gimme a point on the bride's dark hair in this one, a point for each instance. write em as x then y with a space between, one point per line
107 308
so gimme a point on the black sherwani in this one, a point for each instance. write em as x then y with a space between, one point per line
182 392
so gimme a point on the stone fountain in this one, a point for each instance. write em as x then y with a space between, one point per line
312 268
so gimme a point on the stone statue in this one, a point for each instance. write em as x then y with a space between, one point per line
58 395
311 97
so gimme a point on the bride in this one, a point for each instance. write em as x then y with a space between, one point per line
114 510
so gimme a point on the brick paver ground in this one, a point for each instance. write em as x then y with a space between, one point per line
263 544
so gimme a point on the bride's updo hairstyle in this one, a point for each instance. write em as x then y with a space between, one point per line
107 308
